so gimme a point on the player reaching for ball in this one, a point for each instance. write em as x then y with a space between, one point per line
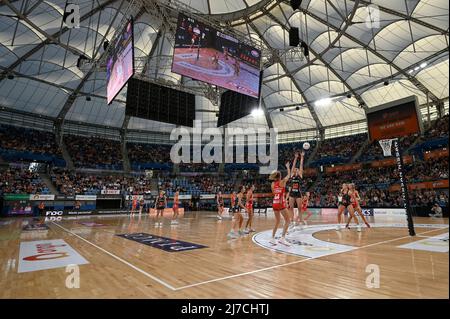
279 204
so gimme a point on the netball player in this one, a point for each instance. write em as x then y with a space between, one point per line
356 206
295 194
304 209
160 206
238 219
341 206
249 207
134 204
220 205
347 203
233 207
279 204
237 67
215 61
175 207
141 205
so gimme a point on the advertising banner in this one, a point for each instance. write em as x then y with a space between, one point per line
86 197
37 197
344 168
424 185
407 159
47 254
436 154
110 192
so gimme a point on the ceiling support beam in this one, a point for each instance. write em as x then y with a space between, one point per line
48 41
402 72
327 65
297 86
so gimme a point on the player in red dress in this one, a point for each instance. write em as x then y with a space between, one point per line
304 209
354 196
249 207
279 204
176 203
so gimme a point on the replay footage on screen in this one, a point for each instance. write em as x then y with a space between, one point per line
206 54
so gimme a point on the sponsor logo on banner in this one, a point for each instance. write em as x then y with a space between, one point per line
389 211
112 212
42 197
71 213
134 197
437 244
110 192
47 254
86 197
366 212
207 196
54 213
163 243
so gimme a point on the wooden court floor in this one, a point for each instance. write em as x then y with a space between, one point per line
121 268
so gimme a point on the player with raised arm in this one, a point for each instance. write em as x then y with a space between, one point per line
295 193
279 204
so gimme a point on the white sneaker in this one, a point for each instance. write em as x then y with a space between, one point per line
338 227
241 233
156 224
283 241
305 223
219 217
252 230
358 228
173 222
273 241
232 235
246 231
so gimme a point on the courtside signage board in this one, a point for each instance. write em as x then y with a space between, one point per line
163 243
47 254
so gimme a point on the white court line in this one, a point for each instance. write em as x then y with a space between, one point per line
298 261
119 259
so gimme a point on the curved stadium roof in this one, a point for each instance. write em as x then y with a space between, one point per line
409 49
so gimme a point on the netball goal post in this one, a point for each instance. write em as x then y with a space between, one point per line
387 124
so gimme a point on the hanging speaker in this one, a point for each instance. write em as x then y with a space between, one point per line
295 4
294 37
305 48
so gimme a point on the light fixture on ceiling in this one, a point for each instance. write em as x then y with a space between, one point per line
10 76
281 110
349 96
88 98
297 108
424 65
257 112
417 68
411 71
386 83
323 102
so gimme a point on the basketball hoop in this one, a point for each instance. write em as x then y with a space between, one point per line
386 145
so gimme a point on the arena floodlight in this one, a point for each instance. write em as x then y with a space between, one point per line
257 112
323 102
